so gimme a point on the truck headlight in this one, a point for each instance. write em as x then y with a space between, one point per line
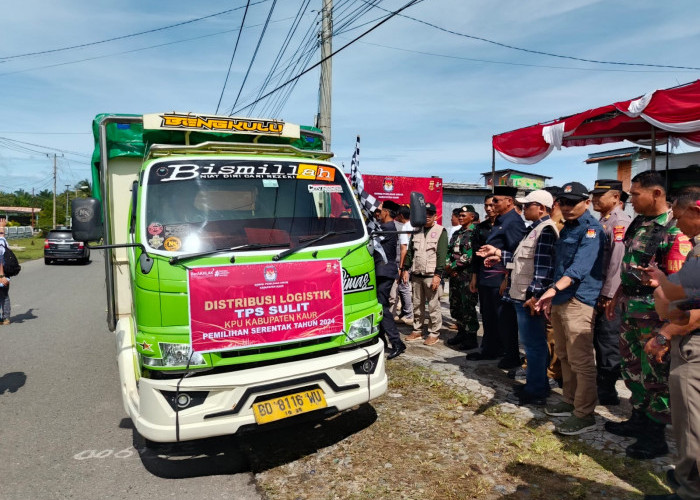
360 328
175 355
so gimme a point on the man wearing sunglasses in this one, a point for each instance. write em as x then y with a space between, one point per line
578 278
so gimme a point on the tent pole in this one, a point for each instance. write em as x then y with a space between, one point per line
653 148
493 168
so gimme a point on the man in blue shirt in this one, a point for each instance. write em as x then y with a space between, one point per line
578 279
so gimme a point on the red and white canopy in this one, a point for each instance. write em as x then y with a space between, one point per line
652 118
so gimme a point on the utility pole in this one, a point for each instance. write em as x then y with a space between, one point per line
67 193
324 98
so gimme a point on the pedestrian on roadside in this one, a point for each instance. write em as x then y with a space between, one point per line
652 237
4 282
681 336
606 332
386 273
459 271
501 323
425 259
569 301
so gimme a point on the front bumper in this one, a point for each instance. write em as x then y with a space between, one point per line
227 406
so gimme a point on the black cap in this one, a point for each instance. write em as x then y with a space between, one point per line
505 191
605 185
555 191
456 211
574 191
391 205
466 208
429 207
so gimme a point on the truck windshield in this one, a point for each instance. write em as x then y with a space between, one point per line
208 204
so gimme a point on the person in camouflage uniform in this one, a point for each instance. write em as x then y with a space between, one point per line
459 270
651 238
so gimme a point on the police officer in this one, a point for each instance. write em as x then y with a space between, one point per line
652 237
459 271
606 332
500 321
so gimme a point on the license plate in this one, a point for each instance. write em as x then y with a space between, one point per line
288 406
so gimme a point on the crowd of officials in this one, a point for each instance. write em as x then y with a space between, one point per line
587 298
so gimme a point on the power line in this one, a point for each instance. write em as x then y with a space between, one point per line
154 30
128 51
387 18
490 61
538 52
235 48
255 53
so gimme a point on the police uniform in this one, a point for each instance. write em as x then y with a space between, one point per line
459 271
606 333
648 239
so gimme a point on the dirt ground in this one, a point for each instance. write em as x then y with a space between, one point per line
449 429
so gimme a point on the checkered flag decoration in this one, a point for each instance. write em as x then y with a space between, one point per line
368 203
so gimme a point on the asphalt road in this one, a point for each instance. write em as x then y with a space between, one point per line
63 430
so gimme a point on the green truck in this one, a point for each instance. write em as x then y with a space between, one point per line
239 273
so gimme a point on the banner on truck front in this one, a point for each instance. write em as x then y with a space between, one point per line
246 305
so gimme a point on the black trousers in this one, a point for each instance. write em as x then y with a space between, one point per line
387 327
606 341
508 331
489 302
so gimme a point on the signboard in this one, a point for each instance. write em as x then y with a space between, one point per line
398 189
247 305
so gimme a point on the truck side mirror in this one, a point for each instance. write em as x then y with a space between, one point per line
87 219
418 214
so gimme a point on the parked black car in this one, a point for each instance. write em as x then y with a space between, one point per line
60 245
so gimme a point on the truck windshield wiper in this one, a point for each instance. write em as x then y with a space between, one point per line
251 246
310 242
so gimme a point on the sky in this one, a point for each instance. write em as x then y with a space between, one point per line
426 92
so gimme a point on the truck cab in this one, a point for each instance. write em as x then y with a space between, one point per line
239 271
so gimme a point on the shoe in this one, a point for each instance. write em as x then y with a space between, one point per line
651 444
468 345
506 363
456 340
396 350
671 479
407 320
6 321
480 356
669 496
453 327
561 409
525 398
574 425
414 336
431 339
608 399
634 427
